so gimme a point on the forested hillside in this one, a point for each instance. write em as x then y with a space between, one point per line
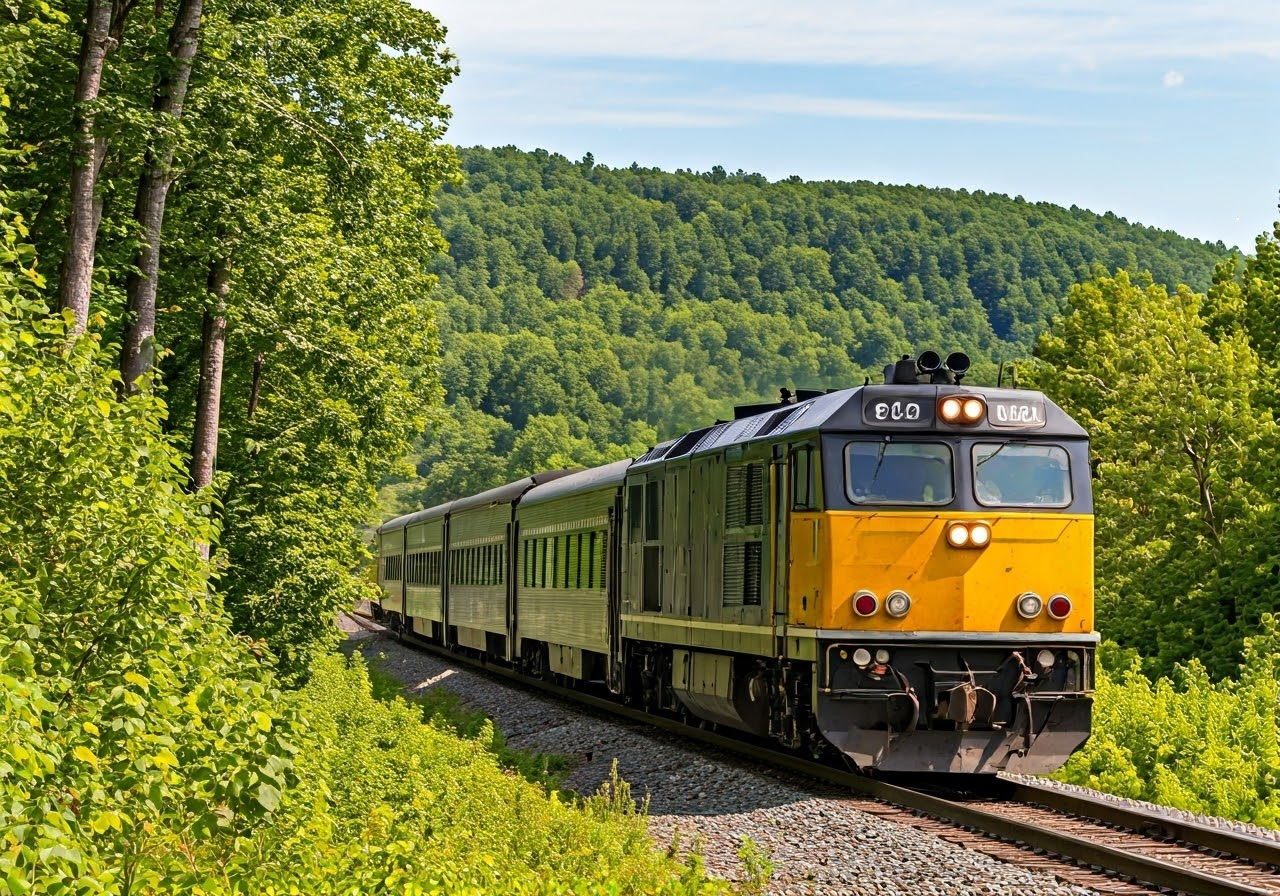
587 312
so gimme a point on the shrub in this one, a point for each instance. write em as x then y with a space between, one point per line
132 723
388 803
1187 741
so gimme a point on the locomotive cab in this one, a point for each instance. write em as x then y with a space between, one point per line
947 582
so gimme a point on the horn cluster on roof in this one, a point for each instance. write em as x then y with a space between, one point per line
907 372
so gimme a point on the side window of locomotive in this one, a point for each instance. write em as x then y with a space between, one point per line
1021 474
802 479
885 472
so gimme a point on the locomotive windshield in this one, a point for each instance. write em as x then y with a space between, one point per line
898 473
1021 474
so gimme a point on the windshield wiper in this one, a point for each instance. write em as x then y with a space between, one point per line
1003 445
875 474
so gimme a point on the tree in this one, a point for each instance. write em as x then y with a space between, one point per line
137 354
1180 443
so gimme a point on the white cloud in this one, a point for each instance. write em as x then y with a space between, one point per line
853 107
978 34
1173 78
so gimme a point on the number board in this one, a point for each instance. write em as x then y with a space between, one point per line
1016 413
908 412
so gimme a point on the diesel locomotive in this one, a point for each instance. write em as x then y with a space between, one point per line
901 572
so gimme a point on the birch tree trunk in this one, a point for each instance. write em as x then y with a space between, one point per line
204 444
76 277
137 354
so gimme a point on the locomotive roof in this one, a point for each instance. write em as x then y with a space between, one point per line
845 410
583 480
502 494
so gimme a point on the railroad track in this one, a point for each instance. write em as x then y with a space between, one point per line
1108 847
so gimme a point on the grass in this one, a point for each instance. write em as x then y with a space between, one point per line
444 709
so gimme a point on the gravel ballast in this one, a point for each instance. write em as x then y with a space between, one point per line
816 838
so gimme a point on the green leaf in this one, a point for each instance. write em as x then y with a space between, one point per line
268 797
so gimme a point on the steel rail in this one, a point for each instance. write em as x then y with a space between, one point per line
1259 850
1150 871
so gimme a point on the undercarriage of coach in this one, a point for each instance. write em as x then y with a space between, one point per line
966 706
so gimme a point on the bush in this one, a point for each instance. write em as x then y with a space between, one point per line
1189 742
132 723
388 803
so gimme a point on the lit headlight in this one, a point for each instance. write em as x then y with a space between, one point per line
969 535
963 409
1029 605
897 604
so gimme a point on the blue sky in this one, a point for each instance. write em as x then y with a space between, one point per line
1166 113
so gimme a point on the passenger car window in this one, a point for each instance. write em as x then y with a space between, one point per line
898 473
1021 474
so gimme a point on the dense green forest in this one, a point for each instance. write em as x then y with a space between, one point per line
586 312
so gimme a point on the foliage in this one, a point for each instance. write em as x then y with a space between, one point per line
305 161
443 709
609 308
389 804
317 150
1188 742
757 867
1182 439
134 724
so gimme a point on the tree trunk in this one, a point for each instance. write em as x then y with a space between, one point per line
76 278
137 354
204 443
256 389
204 447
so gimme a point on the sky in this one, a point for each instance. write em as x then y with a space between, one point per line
1165 113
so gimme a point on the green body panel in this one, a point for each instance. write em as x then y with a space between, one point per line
424 601
568 617
574 617
478 607
694 611
391 544
756 640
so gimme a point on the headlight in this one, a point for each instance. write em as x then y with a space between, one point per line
862 657
976 534
1029 605
962 409
897 604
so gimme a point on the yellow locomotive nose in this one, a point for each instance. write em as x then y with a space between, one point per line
962 572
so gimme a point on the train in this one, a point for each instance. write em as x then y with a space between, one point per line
900 573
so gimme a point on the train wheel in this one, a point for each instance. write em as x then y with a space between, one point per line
538 665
